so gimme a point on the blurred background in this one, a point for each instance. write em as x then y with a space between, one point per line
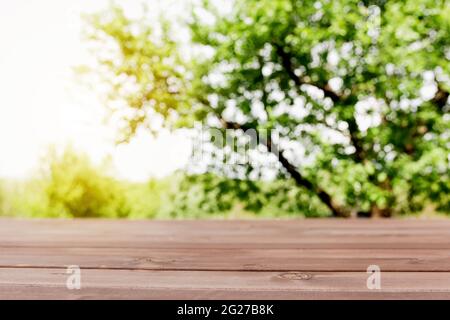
157 109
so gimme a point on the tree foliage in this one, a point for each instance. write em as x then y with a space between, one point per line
356 92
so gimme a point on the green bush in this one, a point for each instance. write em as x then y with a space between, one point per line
74 187
145 199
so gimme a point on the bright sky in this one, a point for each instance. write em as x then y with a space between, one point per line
40 104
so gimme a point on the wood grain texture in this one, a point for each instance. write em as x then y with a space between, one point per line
229 259
222 284
265 259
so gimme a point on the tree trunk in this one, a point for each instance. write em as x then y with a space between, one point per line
301 181
375 212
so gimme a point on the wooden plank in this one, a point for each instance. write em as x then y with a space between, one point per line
229 259
57 293
224 228
298 234
41 283
189 243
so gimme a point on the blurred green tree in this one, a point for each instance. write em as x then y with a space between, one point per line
356 93
74 187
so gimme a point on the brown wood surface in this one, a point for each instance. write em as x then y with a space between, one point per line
265 259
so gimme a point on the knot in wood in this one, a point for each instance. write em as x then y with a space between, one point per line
295 276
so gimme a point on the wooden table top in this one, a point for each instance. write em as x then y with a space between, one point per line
264 259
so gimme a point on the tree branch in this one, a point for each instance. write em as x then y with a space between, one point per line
299 179
440 98
286 61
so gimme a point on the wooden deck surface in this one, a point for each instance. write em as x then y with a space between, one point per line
286 259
